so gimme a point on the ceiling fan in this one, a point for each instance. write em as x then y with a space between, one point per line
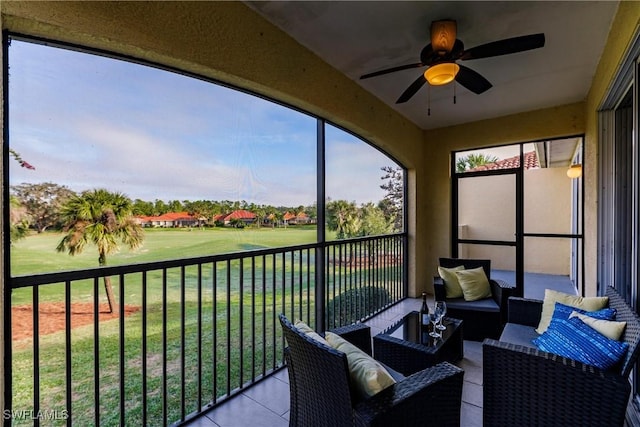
445 49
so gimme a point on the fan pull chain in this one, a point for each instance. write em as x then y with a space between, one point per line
428 99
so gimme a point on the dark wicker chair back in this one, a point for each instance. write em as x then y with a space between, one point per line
319 381
631 332
468 264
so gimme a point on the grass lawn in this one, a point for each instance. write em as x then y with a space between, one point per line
37 253
227 359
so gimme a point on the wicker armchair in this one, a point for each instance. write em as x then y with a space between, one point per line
524 386
321 394
483 318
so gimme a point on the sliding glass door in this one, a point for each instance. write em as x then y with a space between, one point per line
619 194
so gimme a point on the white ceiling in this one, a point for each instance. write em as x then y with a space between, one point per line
358 37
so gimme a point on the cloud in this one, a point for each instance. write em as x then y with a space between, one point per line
353 170
86 122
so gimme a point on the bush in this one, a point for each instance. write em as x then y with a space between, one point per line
355 304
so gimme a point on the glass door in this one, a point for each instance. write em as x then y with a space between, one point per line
485 208
521 207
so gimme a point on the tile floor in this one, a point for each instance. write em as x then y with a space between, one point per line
266 404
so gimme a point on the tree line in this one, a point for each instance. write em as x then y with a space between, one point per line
40 207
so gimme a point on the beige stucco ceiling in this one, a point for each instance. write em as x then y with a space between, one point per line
360 37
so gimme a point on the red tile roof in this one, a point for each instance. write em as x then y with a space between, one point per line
169 216
530 162
174 216
240 214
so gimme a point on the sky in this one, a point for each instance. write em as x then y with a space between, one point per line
503 152
86 121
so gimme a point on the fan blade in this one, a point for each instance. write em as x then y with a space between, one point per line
392 70
504 47
411 90
472 80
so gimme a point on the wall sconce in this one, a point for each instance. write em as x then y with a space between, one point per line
574 171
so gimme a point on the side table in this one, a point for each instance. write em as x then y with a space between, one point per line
407 347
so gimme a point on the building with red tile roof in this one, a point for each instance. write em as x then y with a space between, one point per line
242 215
530 162
288 216
299 218
168 220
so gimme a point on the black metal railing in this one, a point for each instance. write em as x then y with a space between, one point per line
188 333
363 277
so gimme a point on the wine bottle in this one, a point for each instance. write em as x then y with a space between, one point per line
424 310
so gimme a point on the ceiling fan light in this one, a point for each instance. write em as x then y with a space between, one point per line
441 74
443 35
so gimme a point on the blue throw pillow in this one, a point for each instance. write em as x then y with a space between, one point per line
563 311
574 339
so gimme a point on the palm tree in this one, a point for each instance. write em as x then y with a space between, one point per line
472 161
260 213
101 218
342 216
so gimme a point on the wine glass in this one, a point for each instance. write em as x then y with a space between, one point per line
441 310
433 318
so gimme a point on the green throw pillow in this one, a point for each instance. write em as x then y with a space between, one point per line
609 328
305 329
451 284
367 375
474 284
549 305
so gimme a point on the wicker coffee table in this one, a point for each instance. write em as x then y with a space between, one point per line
407 347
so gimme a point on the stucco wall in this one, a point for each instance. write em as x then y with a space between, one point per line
547 209
626 23
486 205
487 209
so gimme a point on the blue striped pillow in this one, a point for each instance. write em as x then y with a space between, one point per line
563 311
576 340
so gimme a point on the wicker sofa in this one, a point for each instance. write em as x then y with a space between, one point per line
483 318
524 386
321 393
